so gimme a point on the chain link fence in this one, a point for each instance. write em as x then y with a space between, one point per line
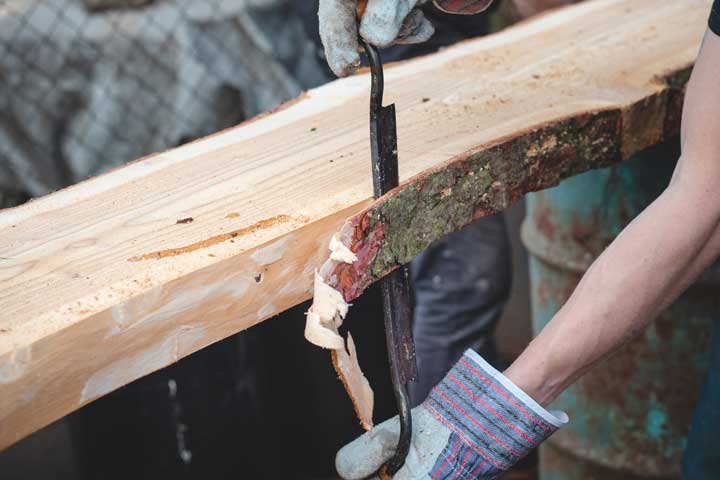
86 85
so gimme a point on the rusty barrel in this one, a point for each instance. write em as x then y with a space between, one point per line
629 417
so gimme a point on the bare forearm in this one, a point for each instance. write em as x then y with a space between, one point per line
626 288
707 256
650 263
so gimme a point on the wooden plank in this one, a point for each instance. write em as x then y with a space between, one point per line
109 280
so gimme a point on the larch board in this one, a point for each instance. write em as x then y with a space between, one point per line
109 280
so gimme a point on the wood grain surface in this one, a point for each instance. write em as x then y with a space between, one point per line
123 274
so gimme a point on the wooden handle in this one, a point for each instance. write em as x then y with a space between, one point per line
361 6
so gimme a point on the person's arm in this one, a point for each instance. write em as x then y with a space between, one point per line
650 263
478 422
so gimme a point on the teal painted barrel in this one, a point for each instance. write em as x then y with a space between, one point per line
629 416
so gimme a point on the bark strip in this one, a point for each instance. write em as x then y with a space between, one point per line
402 223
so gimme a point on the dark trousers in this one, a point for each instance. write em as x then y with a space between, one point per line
461 284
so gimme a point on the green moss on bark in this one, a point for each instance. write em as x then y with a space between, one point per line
487 181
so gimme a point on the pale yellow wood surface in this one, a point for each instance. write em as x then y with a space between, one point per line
99 284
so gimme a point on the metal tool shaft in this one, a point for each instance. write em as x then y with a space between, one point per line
394 287
383 136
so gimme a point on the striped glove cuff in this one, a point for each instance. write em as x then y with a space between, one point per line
491 418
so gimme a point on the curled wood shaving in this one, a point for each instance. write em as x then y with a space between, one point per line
339 252
323 319
358 388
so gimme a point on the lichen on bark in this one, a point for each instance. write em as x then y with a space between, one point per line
487 181
401 224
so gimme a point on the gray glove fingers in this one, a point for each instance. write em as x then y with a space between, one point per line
338 33
365 455
415 29
383 19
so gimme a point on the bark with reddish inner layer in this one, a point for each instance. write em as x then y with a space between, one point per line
402 223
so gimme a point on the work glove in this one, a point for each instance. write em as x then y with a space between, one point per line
384 22
475 424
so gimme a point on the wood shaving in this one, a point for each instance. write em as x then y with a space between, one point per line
323 319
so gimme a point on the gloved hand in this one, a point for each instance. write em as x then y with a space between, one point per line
475 424
383 23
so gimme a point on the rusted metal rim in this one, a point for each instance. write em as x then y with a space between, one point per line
556 254
549 251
